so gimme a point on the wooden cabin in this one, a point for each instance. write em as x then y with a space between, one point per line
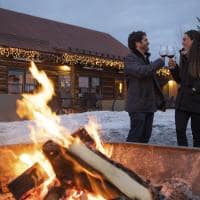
86 66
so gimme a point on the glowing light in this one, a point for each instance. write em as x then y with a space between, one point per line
65 68
171 83
120 87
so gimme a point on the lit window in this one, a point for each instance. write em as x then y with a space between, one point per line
65 83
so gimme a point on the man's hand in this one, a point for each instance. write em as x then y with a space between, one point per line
172 63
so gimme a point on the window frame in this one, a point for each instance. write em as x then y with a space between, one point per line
24 81
15 84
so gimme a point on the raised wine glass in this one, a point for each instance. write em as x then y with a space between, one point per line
163 51
170 52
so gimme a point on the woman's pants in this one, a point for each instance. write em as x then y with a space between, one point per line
181 119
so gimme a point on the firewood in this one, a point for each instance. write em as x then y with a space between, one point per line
4 180
84 136
79 163
71 172
30 179
129 183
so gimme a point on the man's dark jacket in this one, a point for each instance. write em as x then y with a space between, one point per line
144 93
188 97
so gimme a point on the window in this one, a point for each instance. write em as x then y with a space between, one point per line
65 83
83 85
95 85
89 86
20 81
15 81
30 83
64 86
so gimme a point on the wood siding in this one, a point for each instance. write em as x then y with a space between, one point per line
3 79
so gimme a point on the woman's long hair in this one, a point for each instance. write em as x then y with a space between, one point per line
194 53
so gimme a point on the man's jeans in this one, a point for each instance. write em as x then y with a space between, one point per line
141 127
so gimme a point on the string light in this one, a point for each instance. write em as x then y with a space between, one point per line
163 72
18 53
65 58
91 60
69 59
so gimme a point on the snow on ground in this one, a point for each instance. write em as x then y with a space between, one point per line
114 127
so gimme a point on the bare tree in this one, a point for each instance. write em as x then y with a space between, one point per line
177 43
198 26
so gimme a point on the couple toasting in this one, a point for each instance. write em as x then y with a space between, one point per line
144 96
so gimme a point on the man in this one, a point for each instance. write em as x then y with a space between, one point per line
144 95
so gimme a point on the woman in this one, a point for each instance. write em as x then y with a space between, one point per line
187 74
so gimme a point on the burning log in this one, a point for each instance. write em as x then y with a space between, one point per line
83 135
74 173
83 167
30 179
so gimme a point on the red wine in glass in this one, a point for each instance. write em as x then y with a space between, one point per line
170 56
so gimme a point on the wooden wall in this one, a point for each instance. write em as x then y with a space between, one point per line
108 78
108 87
3 79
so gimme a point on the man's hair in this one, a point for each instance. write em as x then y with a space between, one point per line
135 37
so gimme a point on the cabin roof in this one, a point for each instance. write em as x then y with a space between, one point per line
35 33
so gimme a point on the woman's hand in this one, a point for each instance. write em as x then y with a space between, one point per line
171 63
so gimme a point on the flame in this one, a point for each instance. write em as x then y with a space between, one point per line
94 197
47 126
92 128
74 194
47 123
35 106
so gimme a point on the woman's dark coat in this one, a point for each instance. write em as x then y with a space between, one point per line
188 98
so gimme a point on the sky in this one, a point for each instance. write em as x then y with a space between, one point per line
164 21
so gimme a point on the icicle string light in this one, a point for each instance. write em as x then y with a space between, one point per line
65 58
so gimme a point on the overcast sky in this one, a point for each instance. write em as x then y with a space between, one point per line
163 20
